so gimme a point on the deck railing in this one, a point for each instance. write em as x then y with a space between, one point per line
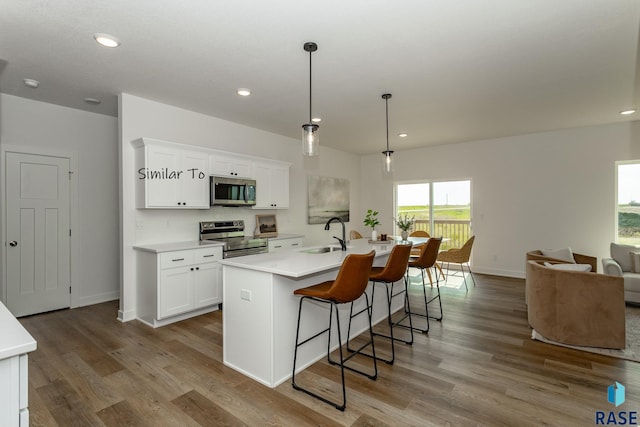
458 231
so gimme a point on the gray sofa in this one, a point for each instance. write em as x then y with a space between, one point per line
620 264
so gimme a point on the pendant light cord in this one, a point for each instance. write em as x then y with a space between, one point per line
310 115
386 104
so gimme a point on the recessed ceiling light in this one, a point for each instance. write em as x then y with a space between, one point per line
243 91
403 135
627 112
106 40
31 83
93 101
316 120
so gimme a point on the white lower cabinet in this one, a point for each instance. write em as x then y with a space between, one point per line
203 293
281 244
14 409
175 295
176 285
15 343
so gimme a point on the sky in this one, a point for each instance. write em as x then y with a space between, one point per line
444 193
628 183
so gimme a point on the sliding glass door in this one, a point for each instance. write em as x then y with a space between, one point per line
441 208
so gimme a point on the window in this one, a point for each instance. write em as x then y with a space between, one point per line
628 202
440 208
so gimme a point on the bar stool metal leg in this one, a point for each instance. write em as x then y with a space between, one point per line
349 285
333 306
389 295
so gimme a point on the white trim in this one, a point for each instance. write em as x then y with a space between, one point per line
96 299
615 189
74 249
126 316
499 272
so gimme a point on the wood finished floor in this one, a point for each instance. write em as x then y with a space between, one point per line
477 367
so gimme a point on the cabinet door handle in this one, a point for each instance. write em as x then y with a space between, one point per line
177 259
279 246
294 244
197 268
208 256
191 268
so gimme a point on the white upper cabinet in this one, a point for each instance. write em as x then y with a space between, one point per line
170 176
272 185
230 166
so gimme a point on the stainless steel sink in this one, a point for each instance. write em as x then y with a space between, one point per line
321 250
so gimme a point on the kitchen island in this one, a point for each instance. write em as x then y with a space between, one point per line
15 343
260 311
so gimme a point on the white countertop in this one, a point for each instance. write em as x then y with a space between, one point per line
298 263
15 339
196 244
175 246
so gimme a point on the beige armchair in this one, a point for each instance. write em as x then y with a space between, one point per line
578 258
576 308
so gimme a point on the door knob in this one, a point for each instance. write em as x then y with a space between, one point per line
13 243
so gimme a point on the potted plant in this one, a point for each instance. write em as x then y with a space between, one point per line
371 220
405 223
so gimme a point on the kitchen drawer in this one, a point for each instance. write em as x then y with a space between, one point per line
176 259
207 254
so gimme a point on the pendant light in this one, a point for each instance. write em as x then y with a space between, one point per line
387 165
310 135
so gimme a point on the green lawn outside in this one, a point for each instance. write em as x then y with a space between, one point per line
629 224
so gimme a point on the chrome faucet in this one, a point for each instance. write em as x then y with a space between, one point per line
343 241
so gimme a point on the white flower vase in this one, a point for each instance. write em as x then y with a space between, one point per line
374 235
404 234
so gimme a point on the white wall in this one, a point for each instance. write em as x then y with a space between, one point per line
543 190
92 138
144 118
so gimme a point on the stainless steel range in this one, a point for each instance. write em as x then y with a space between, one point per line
231 233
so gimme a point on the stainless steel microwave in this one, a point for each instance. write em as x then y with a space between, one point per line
232 191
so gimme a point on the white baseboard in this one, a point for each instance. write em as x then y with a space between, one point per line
94 299
499 272
126 316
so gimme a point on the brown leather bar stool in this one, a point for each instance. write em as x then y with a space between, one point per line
393 271
426 260
416 252
349 285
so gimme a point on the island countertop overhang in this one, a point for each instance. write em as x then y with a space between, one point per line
299 263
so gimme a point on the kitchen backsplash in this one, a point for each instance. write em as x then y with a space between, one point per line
167 225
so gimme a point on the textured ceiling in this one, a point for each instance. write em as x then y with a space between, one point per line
458 70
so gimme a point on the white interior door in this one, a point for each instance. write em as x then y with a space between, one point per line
38 233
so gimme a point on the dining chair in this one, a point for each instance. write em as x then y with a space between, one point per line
349 285
425 261
459 256
354 235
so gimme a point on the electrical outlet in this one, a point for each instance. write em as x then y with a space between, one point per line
245 294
